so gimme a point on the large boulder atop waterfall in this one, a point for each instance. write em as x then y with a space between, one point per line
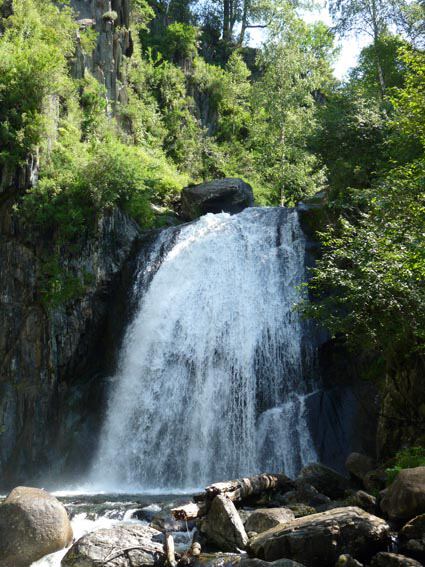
321 538
124 545
325 480
265 518
405 498
33 523
223 526
229 195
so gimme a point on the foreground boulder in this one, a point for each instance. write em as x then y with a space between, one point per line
230 195
125 545
321 538
412 538
384 559
223 526
33 523
325 480
265 518
405 498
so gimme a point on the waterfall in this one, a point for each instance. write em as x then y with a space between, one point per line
215 364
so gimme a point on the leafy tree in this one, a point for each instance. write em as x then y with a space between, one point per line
372 17
295 67
369 282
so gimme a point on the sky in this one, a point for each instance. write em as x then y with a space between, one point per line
350 46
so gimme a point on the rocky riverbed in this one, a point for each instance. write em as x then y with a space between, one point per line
319 519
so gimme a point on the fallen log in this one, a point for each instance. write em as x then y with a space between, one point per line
237 490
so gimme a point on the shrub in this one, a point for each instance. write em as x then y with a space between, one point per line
406 459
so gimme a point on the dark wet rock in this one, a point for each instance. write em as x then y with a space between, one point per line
346 560
385 559
124 545
223 526
405 498
375 480
229 195
358 465
412 538
33 523
147 513
305 493
365 501
321 538
265 518
325 480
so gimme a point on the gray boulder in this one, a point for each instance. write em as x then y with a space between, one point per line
33 523
358 465
325 480
405 498
125 545
412 538
265 518
229 195
384 559
321 538
223 526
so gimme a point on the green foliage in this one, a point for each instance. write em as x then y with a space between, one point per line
406 459
58 286
350 139
179 42
37 40
369 282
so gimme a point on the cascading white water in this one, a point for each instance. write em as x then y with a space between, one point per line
213 369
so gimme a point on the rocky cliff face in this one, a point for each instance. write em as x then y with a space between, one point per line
48 352
51 356
110 20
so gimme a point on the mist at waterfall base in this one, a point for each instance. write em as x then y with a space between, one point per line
216 364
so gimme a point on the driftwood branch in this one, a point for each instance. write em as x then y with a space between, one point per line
169 550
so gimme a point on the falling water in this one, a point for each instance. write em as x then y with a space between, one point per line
216 363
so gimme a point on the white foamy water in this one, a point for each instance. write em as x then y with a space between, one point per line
212 372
